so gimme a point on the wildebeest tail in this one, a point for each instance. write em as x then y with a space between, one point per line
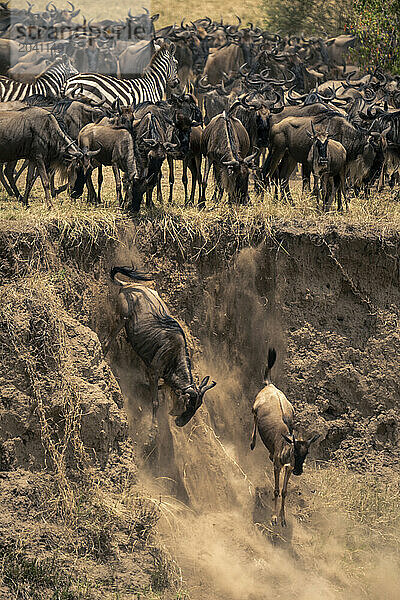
130 272
270 363
267 165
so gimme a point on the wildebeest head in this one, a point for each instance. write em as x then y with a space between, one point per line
141 27
124 117
80 163
194 399
300 448
238 172
187 112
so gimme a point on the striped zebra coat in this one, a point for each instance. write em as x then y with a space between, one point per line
50 83
148 87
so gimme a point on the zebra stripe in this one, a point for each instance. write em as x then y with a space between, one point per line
48 84
149 87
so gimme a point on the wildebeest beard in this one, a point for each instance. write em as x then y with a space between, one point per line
322 149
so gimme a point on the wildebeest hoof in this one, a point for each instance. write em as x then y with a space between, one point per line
274 520
283 522
252 446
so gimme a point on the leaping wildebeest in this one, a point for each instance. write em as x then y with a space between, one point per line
274 419
160 342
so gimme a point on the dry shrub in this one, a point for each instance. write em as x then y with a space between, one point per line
370 504
307 16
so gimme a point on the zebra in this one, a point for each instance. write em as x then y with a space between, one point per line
50 83
147 87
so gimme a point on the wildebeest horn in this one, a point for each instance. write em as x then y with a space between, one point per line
169 146
130 14
371 96
231 29
277 109
313 129
330 96
146 10
91 153
230 163
204 385
250 158
206 86
150 142
383 78
313 439
72 143
241 70
349 76
245 101
72 7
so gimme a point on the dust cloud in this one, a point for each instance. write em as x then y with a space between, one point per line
218 494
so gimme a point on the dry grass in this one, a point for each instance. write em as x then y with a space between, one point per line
371 503
71 218
356 516
378 214
170 12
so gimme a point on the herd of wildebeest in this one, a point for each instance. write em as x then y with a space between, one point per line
78 95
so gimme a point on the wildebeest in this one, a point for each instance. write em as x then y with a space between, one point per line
113 146
225 144
327 159
135 58
71 115
153 136
185 115
160 342
226 59
192 161
33 133
338 47
291 144
274 420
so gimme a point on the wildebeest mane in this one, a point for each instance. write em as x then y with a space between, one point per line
41 101
231 138
160 104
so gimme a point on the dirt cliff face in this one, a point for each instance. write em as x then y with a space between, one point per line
330 305
53 377
328 301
